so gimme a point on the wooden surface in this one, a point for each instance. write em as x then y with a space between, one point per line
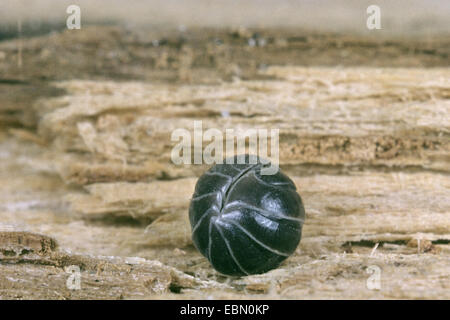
86 176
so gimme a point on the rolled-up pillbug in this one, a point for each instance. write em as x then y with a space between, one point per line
244 222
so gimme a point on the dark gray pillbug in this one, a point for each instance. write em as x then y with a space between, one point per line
244 222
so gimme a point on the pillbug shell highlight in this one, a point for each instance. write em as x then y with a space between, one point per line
244 222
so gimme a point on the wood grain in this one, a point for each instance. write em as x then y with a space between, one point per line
87 165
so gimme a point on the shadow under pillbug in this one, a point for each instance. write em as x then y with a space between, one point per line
244 222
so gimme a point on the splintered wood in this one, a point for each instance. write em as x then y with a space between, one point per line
336 119
15 245
368 149
105 277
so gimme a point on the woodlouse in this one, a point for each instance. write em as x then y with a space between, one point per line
244 222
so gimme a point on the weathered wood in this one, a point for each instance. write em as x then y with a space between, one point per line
88 166
355 119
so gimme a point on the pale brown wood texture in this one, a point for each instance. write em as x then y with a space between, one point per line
87 179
